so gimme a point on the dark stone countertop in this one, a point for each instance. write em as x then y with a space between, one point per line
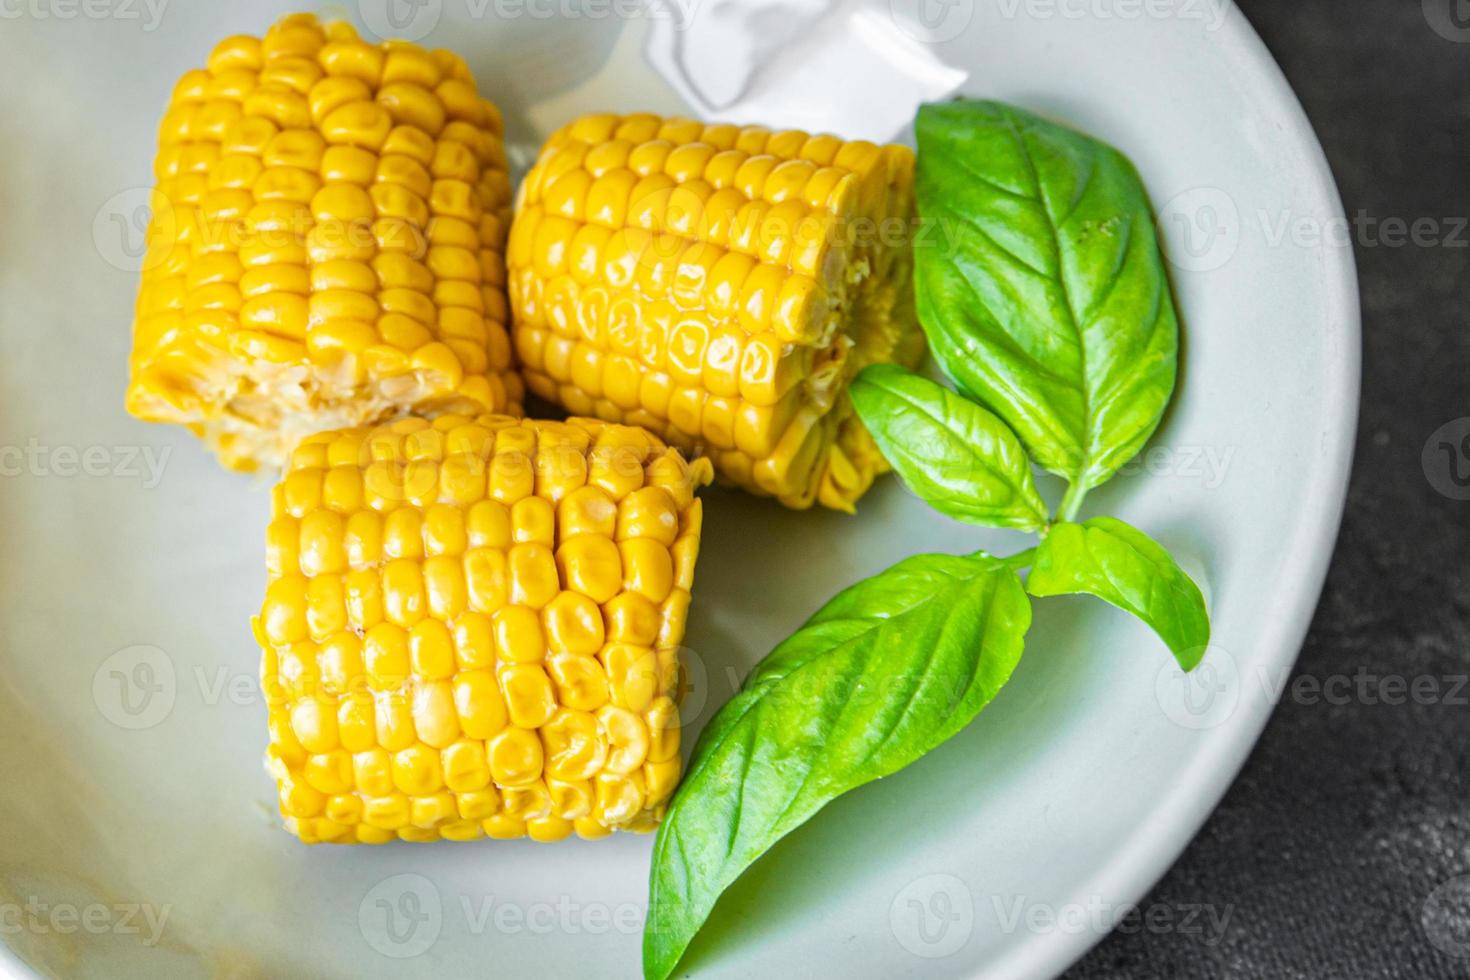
1333 850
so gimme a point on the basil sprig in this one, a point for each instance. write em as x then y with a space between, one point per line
961 459
886 671
1051 313
1049 303
1123 566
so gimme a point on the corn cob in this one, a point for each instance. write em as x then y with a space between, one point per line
326 245
719 286
471 629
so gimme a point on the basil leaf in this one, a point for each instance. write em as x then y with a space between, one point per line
1048 302
886 671
959 458
1122 565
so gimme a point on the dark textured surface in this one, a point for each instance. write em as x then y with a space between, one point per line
1328 851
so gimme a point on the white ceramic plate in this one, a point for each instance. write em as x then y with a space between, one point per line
131 788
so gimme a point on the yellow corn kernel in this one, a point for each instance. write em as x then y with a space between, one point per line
455 665
721 286
648 568
372 770
318 201
529 802
533 575
571 799
630 618
627 739
416 771
590 564
662 718
572 746
479 804
548 829
502 826
581 682
356 724
573 624
530 699
633 675
465 766
619 798
515 758
339 660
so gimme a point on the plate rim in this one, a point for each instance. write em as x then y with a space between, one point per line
1177 817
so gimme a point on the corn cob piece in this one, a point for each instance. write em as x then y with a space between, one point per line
472 627
326 246
720 286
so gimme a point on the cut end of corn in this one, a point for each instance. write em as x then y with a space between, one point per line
326 244
720 285
472 629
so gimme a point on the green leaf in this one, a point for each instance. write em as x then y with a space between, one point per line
1045 298
886 671
1122 565
961 459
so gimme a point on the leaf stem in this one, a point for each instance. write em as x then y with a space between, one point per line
1071 502
1020 559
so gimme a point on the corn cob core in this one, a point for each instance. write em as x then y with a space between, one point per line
326 244
471 629
720 286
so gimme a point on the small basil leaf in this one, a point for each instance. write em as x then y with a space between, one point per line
959 458
1049 303
1123 566
886 671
